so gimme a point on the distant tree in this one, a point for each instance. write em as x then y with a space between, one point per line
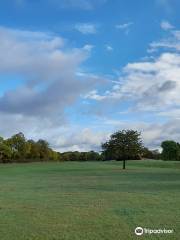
80 156
53 155
156 154
123 145
93 156
43 148
19 146
171 150
150 154
34 153
5 152
18 149
83 156
64 157
72 156
59 156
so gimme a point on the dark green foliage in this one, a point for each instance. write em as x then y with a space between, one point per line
18 149
43 149
5 152
123 145
81 156
151 154
171 150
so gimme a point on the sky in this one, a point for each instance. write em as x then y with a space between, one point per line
75 71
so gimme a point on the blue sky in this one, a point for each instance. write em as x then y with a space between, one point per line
73 72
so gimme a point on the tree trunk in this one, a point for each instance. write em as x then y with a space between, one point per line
124 164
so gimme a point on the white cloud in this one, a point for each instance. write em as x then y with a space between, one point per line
94 96
81 139
51 84
165 25
53 81
173 113
49 69
152 133
109 48
86 28
172 42
149 85
125 26
150 88
88 47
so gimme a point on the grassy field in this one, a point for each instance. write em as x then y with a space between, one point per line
88 201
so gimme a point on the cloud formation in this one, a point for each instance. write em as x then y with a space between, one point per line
172 42
48 68
149 88
149 85
53 81
124 27
86 28
81 139
165 25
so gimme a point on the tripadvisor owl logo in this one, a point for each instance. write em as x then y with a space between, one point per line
139 231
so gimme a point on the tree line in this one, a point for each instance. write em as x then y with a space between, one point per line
122 145
18 149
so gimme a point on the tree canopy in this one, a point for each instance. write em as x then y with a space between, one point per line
123 145
171 150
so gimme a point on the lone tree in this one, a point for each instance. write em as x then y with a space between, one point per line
123 145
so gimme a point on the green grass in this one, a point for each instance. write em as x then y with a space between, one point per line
88 201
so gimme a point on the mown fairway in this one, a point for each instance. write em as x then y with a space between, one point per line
88 201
